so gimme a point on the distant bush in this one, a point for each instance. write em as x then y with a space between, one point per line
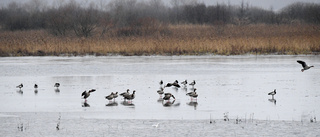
144 27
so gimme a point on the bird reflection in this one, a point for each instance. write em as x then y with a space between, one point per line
36 91
57 90
194 104
184 89
170 103
20 91
112 103
85 104
127 103
160 100
273 101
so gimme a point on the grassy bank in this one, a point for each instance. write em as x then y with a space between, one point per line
182 40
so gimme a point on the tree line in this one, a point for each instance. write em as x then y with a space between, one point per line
132 17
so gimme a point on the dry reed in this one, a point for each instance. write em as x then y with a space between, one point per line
183 40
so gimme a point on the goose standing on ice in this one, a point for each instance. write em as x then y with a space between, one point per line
160 91
193 94
86 94
130 97
304 65
115 96
161 83
35 86
272 93
110 97
57 85
185 82
193 83
20 86
125 93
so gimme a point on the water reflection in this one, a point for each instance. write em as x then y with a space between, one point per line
20 91
112 103
193 103
184 88
170 103
85 104
35 91
57 90
160 100
127 103
273 101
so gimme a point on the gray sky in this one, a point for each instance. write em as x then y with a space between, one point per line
266 4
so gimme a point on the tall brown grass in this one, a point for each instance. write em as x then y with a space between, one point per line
182 40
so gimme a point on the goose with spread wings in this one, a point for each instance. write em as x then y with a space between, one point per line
304 65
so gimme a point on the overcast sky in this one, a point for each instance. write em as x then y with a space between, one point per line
266 4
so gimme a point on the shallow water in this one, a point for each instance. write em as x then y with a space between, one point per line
233 85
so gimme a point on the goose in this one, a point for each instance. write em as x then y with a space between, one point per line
175 83
130 96
193 94
304 65
110 97
161 82
57 85
115 96
193 83
168 85
125 93
86 94
167 96
20 86
160 91
272 93
35 86
185 82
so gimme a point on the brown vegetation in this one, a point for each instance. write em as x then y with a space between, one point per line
179 40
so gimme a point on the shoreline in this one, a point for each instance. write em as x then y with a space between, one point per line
48 125
161 55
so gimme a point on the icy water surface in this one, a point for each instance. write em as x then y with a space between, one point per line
236 86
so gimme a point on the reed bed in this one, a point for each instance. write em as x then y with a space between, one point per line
182 40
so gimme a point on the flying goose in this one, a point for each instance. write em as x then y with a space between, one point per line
86 94
304 65
20 86
272 93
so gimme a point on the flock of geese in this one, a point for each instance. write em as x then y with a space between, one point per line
167 96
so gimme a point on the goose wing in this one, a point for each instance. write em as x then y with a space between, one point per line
83 93
302 63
